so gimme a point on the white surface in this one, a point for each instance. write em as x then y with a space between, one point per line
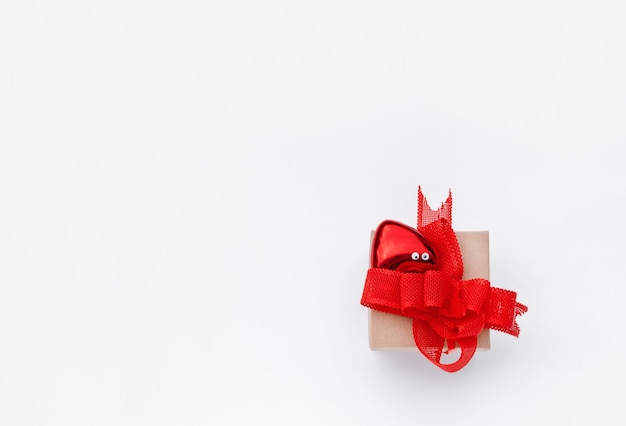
187 191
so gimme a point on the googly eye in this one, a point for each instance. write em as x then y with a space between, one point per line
425 256
415 256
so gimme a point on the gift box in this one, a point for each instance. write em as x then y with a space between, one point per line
389 332
428 288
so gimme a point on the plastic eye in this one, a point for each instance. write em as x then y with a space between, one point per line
415 256
425 256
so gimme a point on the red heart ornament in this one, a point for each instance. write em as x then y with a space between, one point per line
399 247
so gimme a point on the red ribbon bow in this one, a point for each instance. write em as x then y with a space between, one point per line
442 305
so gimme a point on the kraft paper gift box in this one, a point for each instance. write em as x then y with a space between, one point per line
389 332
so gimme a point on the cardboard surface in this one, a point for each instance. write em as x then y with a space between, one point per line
388 332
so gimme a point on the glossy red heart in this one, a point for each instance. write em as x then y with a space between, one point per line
399 247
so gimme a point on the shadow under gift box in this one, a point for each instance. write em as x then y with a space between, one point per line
389 332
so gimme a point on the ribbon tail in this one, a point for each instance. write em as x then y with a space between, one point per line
431 344
502 311
517 311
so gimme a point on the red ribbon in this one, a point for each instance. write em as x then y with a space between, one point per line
443 306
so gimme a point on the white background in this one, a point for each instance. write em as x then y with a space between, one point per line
187 191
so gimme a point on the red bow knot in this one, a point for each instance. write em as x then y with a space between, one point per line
452 307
